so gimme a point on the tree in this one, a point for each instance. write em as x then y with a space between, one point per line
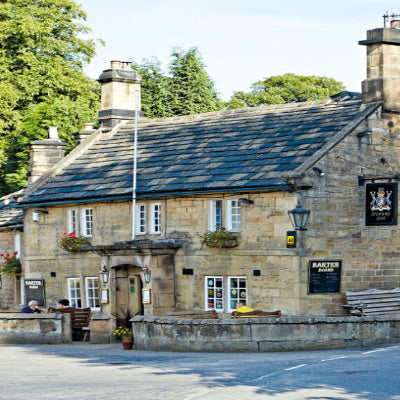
287 88
41 66
187 89
155 95
192 90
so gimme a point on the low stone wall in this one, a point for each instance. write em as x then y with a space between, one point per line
263 334
35 328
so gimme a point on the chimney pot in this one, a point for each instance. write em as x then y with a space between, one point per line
115 64
53 133
395 24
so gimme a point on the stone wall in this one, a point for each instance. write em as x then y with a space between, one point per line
35 328
263 334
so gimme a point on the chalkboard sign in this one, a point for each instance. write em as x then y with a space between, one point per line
324 276
34 290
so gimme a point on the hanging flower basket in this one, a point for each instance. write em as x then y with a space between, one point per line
219 238
72 242
11 264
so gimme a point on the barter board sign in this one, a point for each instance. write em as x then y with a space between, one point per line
381 204
324 276
34 290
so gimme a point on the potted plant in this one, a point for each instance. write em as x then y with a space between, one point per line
124 330
72 242
11 264
220 238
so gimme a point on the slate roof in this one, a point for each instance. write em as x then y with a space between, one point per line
242 149
10 218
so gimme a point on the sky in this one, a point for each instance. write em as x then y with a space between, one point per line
241 42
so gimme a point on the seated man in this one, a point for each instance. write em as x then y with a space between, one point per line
32 307
241 307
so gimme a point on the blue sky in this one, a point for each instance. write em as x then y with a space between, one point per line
240 41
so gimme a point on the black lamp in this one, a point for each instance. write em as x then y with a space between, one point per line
104 274
146 274
299 217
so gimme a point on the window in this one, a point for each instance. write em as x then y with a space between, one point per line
155 215
72 221
216 298
140 219
92 293
215 220
87 222
232 216
237 291
74 292
214 293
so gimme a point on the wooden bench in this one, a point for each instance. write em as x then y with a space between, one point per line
193 314
256 313
80 319
373 302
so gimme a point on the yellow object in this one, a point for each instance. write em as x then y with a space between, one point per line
244 309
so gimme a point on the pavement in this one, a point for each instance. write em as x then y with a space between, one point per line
87 371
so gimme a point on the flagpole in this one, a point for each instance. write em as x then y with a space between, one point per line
135 166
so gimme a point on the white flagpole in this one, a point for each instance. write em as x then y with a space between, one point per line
135 166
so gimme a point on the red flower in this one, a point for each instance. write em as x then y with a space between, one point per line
8 255
1 255
15 253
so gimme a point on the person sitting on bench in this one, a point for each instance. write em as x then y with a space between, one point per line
241 307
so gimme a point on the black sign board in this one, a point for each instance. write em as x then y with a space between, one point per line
34 290
381 204
324 276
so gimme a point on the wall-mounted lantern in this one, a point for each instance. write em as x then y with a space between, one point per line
104 274
36 215
146 274
299 217
246 201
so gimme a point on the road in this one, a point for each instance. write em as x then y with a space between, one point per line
84 371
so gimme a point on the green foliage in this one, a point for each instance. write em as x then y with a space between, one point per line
42 82
287 88
191 89
186 90
219 238
10 264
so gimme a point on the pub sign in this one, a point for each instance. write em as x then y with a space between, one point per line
381 204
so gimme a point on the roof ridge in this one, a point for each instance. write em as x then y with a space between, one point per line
243 111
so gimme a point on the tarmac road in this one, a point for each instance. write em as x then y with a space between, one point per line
85 371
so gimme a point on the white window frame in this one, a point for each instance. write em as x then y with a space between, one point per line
215 213
73 221
232 300
233 216
141 219
87 222
214 288
92 292
155 218
74 292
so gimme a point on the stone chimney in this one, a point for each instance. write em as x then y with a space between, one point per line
383 67
84 133
120 91
44 154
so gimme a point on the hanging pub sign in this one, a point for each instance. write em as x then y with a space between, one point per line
34 290
324 276
381 204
